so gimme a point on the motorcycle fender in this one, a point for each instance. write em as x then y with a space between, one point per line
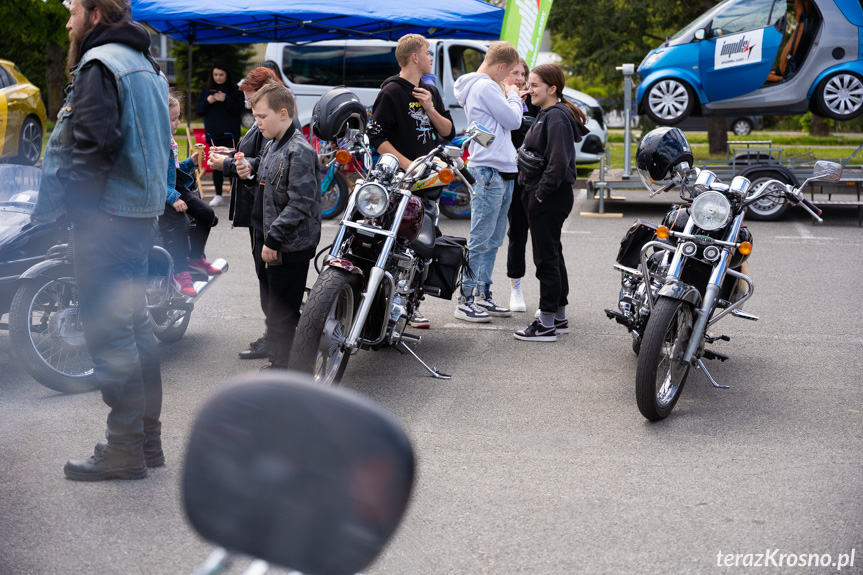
346 265
55 269
681 291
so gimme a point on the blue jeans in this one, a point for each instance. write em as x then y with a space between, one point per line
488 215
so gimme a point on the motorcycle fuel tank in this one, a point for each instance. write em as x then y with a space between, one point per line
412 221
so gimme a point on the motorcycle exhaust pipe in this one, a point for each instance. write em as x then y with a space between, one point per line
202 286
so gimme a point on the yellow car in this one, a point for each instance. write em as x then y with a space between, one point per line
22 116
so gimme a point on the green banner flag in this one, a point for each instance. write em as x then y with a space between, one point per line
523 25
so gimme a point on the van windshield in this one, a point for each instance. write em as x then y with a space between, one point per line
351 66
728 17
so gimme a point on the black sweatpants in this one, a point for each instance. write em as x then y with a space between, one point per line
518 228
546 224
282 286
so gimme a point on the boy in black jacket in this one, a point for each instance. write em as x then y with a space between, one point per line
286 215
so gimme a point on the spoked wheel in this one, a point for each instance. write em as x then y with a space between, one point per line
769 207
30 143
46 332
335 197
169 325
669 102
324 325
661 374
840 97
455 202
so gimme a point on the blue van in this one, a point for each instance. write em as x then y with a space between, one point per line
759 57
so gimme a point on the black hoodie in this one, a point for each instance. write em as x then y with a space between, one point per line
553 136
399 118
96 121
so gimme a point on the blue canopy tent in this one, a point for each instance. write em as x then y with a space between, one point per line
299 21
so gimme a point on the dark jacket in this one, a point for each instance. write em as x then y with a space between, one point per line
222 119
528 116
243 191
292 197
553 136
399 118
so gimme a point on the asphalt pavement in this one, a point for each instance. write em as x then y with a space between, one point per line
533 458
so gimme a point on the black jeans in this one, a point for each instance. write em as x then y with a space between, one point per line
205 220
111 255
518 228
218 176
546 224
282 286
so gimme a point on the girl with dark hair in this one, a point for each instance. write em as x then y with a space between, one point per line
518 228
221 106
548 196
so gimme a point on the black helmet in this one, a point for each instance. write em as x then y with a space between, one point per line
338 109
659 151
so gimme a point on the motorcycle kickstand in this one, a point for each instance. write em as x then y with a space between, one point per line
700 365
432 370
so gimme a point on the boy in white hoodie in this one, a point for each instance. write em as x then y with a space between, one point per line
487 100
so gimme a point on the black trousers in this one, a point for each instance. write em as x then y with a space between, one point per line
205 220
546 224
180 238
518 229
111 256
218 176
282 285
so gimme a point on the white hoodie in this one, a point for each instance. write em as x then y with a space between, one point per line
484 103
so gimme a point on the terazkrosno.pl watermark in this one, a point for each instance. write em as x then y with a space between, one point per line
776 558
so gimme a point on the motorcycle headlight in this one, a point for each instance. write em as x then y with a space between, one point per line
372 200
710 210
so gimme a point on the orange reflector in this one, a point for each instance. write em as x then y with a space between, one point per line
446 175
745 248
343 157
662 232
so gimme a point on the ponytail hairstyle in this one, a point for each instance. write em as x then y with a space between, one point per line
552 75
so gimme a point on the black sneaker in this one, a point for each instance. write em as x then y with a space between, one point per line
258 349
419 321
536 332
491 307
467 310
561 325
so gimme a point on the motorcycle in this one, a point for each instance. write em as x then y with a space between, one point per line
296 475
681 277
45 329
384 259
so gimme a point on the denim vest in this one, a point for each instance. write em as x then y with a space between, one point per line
135 186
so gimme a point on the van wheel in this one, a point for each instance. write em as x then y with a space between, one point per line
669 102
840 96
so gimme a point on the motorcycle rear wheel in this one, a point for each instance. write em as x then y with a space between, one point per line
660 374
327 317
335 197
455 202
47 336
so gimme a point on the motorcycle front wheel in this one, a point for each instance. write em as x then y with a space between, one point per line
661 374
47 335
327 317
169 325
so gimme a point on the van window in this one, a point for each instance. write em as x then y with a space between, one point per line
741 16
464 60
369 66
314 64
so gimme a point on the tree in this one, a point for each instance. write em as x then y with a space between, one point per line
37 43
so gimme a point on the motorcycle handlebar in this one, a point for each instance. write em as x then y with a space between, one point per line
467 176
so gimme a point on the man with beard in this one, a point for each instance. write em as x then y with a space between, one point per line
105 167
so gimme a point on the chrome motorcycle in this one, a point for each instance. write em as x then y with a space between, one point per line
384 259
681 277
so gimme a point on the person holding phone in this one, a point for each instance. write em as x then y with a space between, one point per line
221 105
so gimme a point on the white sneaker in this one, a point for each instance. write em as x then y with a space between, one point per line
217 201
536 315
516 300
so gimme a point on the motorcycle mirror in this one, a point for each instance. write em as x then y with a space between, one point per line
480 134
302 476
830 171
